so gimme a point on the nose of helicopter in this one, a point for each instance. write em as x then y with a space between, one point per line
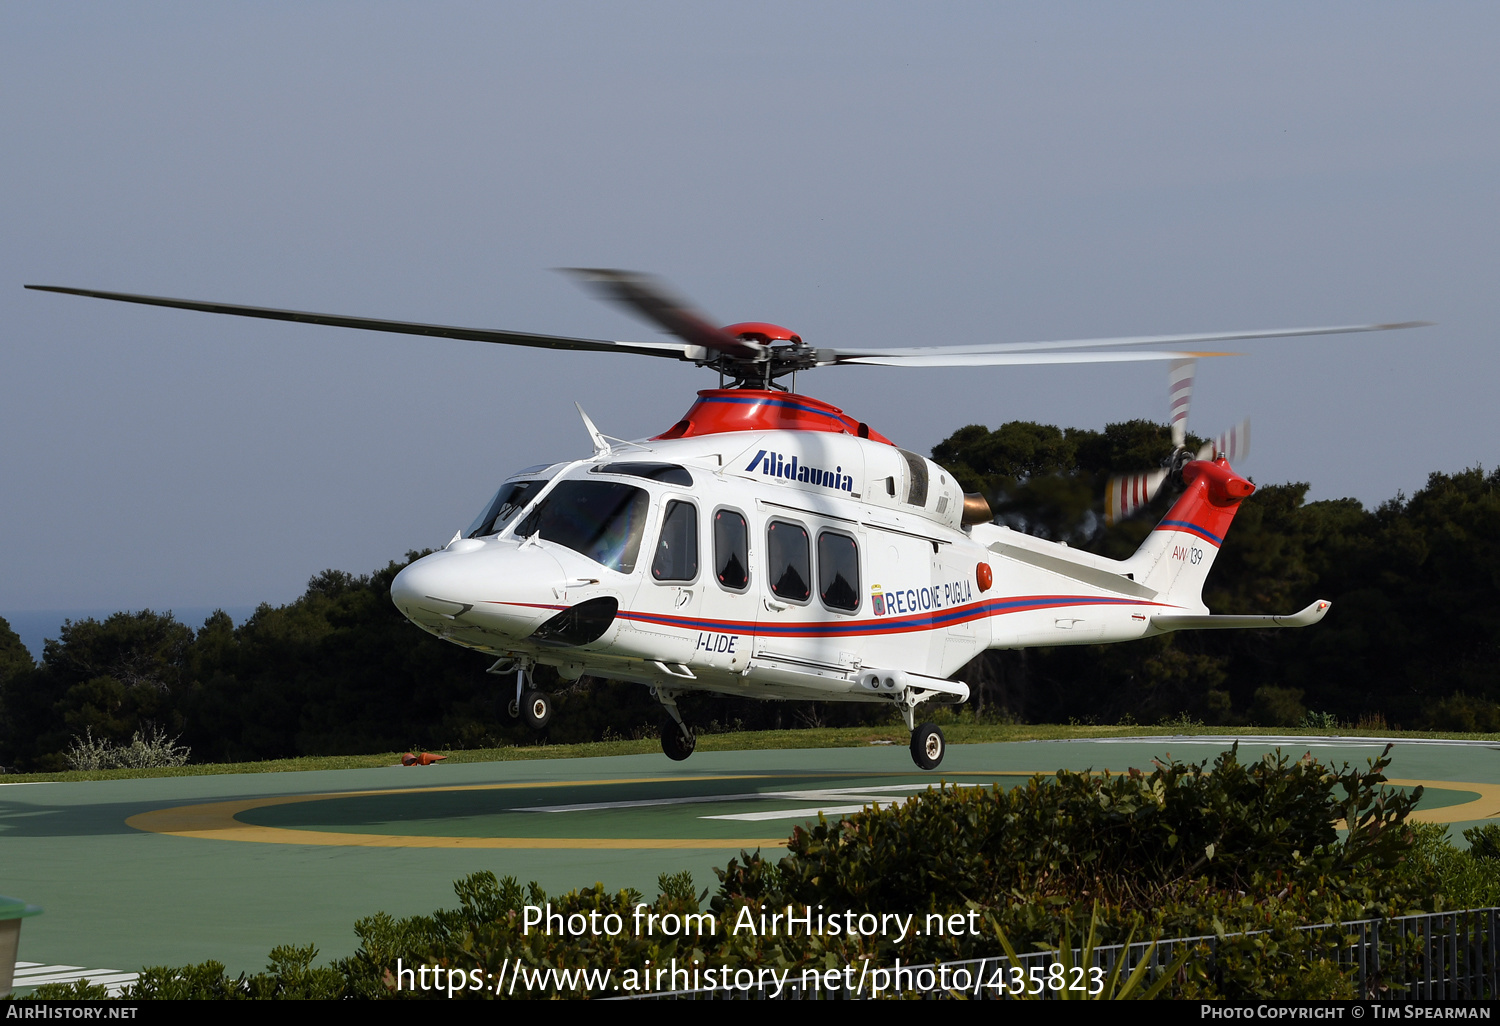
496 587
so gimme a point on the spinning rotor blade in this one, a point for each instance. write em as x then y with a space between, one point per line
1129 492
846 355
675 350
1234 443
1180 398
940 359
744 359
651 299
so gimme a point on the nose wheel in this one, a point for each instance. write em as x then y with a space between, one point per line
927 746
536 709
531 705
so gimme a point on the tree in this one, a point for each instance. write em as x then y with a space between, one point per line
16 668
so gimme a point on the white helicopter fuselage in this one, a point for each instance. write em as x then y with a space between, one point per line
847 573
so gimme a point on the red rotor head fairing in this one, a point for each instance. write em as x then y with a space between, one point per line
762 331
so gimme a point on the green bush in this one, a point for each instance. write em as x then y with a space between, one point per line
1319 721
1484 841
1457 879
78 990
1182 844
1461 712
1278 707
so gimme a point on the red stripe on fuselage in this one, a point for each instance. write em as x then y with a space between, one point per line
937 619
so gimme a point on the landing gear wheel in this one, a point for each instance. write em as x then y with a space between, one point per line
514 709
536 708
674 744
927 746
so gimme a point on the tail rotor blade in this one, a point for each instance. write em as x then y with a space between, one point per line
1180 397
1234 444
1129 492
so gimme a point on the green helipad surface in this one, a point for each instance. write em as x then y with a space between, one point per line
173 870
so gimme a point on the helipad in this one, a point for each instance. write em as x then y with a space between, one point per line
183 869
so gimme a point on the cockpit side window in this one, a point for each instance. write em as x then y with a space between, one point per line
677 549
512 497
597 519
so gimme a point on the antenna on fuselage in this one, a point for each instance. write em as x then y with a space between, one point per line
601 444
605 444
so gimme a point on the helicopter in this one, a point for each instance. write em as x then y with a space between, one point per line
768 545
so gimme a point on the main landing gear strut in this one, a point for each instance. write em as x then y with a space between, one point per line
927 744
677 739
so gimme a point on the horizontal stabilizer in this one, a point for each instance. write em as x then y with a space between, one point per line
1306 618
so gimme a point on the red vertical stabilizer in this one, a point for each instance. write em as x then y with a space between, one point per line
1213 496
1175 559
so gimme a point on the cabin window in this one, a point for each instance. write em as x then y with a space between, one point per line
731 550
838 571
597 519
790 561
677 550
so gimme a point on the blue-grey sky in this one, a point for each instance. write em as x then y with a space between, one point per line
868 174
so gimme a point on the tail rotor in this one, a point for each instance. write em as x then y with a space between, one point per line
1127 493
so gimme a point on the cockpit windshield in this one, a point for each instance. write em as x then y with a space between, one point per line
599 519
512 497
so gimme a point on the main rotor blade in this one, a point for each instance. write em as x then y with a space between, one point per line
1007 359
651 299
1133 340
675 350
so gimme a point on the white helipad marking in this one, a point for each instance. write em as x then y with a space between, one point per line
1276 739
639 803
34 974
813 813
835 802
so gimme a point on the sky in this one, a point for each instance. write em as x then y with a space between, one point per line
869 174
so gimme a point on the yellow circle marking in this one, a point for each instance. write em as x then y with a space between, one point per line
1486 806
216 821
